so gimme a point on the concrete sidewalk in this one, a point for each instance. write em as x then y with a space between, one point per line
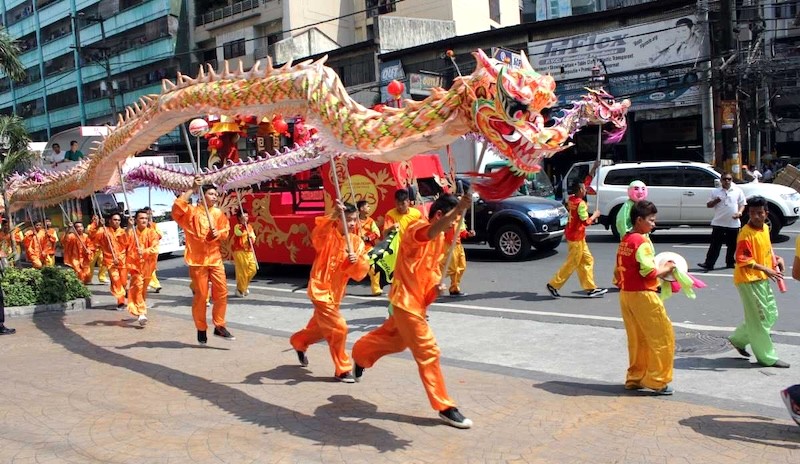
91 386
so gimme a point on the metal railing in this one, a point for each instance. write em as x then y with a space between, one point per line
228 11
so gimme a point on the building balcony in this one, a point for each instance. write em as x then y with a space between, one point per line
229 11
22 27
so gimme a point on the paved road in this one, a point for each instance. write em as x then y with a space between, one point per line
517 289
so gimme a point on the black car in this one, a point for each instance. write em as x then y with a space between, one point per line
513 225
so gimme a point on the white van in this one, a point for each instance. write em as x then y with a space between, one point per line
172 237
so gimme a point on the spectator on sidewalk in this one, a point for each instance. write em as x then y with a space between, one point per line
728 202
3 329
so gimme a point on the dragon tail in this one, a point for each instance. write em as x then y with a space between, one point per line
497 185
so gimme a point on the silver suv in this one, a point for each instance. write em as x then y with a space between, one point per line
680 190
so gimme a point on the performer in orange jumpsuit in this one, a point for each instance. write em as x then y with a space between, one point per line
204 257
333 267
48 237
370 234
77 252
244 260
417 283
141 259
33 245
113 241
8 247
97 256
155 285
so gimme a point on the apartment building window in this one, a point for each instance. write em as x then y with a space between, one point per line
494 10
379 7
233 49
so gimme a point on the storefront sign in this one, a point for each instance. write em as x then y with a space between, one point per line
646 46
391 70
513 59
728 114
421 84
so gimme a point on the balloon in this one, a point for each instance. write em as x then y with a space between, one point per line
395 88
198 127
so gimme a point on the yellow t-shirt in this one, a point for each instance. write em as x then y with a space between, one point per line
752 246
797 247
394 217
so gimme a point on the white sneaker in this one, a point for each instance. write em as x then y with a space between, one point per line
247 293
240 294
142 320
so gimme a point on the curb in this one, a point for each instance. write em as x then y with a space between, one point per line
75 305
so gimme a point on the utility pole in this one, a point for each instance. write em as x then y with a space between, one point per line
78 62
706 90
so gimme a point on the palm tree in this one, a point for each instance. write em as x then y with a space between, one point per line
9 57
14 140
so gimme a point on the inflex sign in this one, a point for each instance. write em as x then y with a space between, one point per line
422 83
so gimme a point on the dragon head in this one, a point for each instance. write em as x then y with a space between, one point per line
507 111
602 108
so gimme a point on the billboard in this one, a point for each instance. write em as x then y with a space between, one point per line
652 64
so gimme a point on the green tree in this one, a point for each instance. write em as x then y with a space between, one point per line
9 57
14 140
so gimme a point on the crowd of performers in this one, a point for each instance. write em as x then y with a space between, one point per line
428 250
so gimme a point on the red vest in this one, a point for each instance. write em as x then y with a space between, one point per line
630 279
576 228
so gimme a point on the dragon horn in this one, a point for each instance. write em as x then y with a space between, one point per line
484 62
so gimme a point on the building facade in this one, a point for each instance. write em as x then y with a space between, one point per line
88 59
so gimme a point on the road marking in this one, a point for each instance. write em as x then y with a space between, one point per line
706 246
491 309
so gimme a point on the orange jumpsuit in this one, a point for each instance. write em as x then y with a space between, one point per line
7 245
106 238
77 255
33 249
326 286
416 277
97 256
48 239
141 267
204 258
370 234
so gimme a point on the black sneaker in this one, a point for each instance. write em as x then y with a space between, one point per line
346 377
741 351
452 417
301 356
553 292
223 332
705 266
666 391
596 292
7 330
458 293
202 338
359 372
122 307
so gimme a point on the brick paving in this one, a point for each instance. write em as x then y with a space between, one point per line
90 386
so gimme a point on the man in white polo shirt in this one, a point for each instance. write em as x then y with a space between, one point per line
728 202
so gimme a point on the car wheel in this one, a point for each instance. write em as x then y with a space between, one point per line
511 242
547 245
775 225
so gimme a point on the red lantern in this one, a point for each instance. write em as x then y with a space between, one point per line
251 120
395 88
279 125
215 143
379 107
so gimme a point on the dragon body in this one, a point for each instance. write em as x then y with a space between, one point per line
501 104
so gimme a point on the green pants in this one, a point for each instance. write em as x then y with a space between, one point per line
760 314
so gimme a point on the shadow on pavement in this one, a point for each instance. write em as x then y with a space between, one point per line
589 389
366 324
714 364
346 406
749 429
124 323
170 345
512 296
288 374
329 432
